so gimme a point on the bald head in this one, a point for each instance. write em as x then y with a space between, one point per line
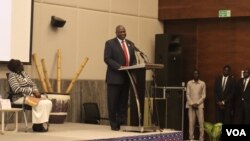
120 32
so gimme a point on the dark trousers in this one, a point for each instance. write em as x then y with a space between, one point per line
117 104
242 114
224 115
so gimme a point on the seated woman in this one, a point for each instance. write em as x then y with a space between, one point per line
21 84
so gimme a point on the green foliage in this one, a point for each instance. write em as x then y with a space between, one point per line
213 130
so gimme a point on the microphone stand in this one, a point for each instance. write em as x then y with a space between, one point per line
156 117
143 55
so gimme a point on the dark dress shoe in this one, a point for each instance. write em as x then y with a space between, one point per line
115 129
115 126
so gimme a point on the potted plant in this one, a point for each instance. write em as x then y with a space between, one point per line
213 130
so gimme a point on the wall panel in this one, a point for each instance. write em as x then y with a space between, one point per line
89 31
148 8
129 7
99 5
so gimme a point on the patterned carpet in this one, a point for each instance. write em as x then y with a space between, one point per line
177 136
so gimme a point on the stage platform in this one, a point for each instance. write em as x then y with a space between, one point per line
90 132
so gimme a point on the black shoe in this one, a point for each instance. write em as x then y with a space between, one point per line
115 128
43 129
38 128
34 127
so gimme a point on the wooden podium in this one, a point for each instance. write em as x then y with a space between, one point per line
137 76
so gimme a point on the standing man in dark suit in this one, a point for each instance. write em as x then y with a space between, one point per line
224 89
118 52
242 97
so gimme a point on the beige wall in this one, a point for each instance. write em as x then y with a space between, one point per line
89 23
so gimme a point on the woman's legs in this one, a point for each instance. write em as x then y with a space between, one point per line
40 115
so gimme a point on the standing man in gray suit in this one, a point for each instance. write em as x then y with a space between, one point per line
119 52
196 94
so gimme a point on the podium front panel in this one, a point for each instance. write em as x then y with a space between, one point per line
140 76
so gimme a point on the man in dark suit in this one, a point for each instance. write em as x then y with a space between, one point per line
224 89
118 52
242 97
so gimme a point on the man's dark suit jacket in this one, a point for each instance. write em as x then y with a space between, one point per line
224 113
242 103
243 94
228 93
114 58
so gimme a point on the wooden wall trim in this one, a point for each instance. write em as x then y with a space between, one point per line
187 9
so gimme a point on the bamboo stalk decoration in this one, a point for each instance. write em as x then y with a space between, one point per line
39 68
85 60
59 70
45 72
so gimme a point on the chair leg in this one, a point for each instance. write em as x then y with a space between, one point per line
25 120
8 120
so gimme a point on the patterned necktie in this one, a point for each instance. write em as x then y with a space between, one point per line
125 52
